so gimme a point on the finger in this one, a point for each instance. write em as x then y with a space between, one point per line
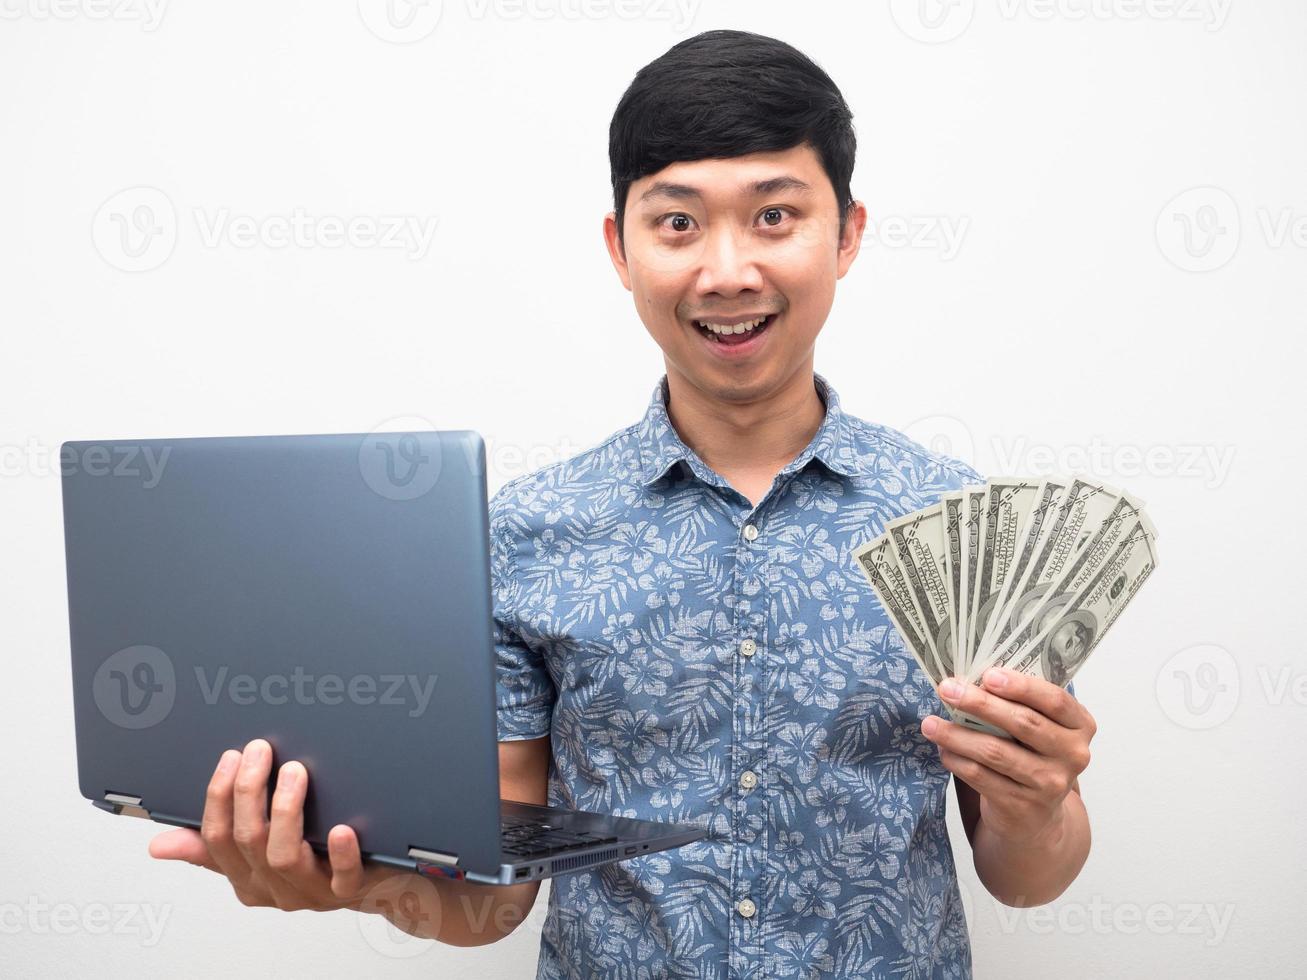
980 777
216 824
250 808
288 853
346 862
1015 762
1043 696
1022 722
183 844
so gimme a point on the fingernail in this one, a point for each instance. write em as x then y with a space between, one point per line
995 679
227 761
950 690
288 775
929 725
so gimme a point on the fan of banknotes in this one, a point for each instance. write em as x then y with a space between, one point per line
1020 573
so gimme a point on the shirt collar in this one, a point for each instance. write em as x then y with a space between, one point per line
661 446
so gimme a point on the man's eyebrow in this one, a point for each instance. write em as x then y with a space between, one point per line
680 192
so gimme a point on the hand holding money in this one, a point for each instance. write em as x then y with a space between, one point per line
1025 574
1021 783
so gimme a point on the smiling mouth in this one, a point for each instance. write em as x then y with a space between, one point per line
734 333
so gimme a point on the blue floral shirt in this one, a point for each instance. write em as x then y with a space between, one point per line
694 658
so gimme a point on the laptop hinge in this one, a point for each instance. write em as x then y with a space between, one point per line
126 805
432 857
435 864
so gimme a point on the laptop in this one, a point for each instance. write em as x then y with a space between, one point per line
330 593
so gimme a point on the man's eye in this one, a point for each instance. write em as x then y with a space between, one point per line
773 216
677 222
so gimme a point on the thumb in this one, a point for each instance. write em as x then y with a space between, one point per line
182 844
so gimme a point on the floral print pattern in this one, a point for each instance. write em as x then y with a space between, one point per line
688 670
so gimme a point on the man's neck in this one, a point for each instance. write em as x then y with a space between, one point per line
752 440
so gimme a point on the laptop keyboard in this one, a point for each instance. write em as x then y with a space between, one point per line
534 838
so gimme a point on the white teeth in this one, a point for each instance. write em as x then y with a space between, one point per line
729 328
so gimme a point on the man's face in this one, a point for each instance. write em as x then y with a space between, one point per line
726 241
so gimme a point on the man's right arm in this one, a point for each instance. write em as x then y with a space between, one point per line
262 852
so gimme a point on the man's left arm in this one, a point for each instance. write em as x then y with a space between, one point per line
1019 801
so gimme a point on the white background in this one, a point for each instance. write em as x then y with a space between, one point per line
1092 315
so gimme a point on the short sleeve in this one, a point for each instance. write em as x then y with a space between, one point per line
524 690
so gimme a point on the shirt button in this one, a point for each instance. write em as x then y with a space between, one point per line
750 532
748 779
746 908
748 647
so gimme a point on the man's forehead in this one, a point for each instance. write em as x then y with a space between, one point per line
796 170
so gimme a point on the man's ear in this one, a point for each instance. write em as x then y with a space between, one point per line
616 251
851 240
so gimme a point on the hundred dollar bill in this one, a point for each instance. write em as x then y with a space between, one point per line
1081 510
974 529
1007 502
919 542
879 564
955 578
1072 630
1071 625
1085 562
1047 497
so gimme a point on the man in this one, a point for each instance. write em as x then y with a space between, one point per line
681 632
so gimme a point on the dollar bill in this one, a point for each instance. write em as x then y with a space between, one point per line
974 530
1007 501
1072 629
920 545
880 566
1081 510
1084 561
1032 534
955 577
1022 573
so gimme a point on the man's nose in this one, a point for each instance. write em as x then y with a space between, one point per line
729 263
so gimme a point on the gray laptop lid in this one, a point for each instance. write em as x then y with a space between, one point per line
328 593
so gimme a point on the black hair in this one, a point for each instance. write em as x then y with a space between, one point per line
726 94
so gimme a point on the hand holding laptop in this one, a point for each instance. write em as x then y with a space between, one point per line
267 861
